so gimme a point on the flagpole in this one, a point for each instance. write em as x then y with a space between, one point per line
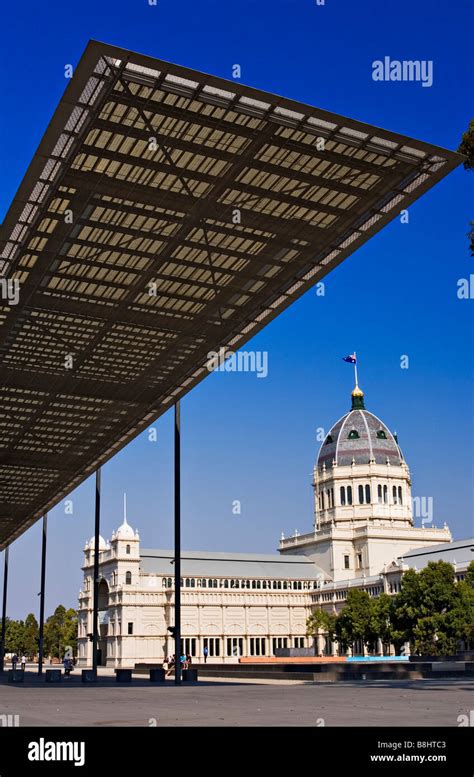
355 369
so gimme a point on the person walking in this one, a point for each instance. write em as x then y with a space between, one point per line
205 653
14 661
68 666
23 663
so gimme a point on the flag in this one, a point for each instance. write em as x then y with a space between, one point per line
352 359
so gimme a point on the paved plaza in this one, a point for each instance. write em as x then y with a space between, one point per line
225 703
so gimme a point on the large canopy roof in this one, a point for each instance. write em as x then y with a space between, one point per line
166 214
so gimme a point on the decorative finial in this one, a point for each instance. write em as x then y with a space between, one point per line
357 398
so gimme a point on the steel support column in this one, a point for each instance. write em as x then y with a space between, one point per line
4 609
95 614
42 594
177 541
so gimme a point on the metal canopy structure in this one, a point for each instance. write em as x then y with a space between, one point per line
166 214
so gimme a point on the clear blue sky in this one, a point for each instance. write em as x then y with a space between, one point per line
255 439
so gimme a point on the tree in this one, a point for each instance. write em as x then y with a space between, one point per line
60 632
320 620
421 609
469 576
14 637
466 146
382 609
31 635
356 621
460 619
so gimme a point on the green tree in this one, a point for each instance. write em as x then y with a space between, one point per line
469 576
60 632
460 618
31 635
382 609
421 609
70 629
357 620
466 146
320 619
14 637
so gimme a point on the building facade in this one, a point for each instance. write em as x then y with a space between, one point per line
238 605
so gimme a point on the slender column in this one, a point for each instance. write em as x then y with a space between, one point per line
177 540
95 611
42 594
4 609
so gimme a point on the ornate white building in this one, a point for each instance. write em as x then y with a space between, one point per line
252 605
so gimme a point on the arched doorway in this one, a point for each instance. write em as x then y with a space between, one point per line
103 623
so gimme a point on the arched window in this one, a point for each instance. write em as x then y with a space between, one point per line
385 494
394 494
322 500
128 578
381 435
379 493
328 440
203 583
349 495
400 495
353 435
367 494
361 495
343 495
127 550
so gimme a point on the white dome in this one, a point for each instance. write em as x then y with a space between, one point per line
125 532
102 543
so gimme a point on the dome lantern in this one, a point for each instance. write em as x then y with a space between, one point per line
357 399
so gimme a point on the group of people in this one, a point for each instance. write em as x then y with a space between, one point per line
68 663
185 661
15 662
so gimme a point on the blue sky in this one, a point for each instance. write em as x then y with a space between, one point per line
251 439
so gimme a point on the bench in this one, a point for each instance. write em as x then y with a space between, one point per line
123 675
53 676
189 675
157 675
16 675
89 676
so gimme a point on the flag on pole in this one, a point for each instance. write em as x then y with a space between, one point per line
352 359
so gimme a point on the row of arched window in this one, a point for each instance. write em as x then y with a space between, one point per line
397 494
326 498
204 582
